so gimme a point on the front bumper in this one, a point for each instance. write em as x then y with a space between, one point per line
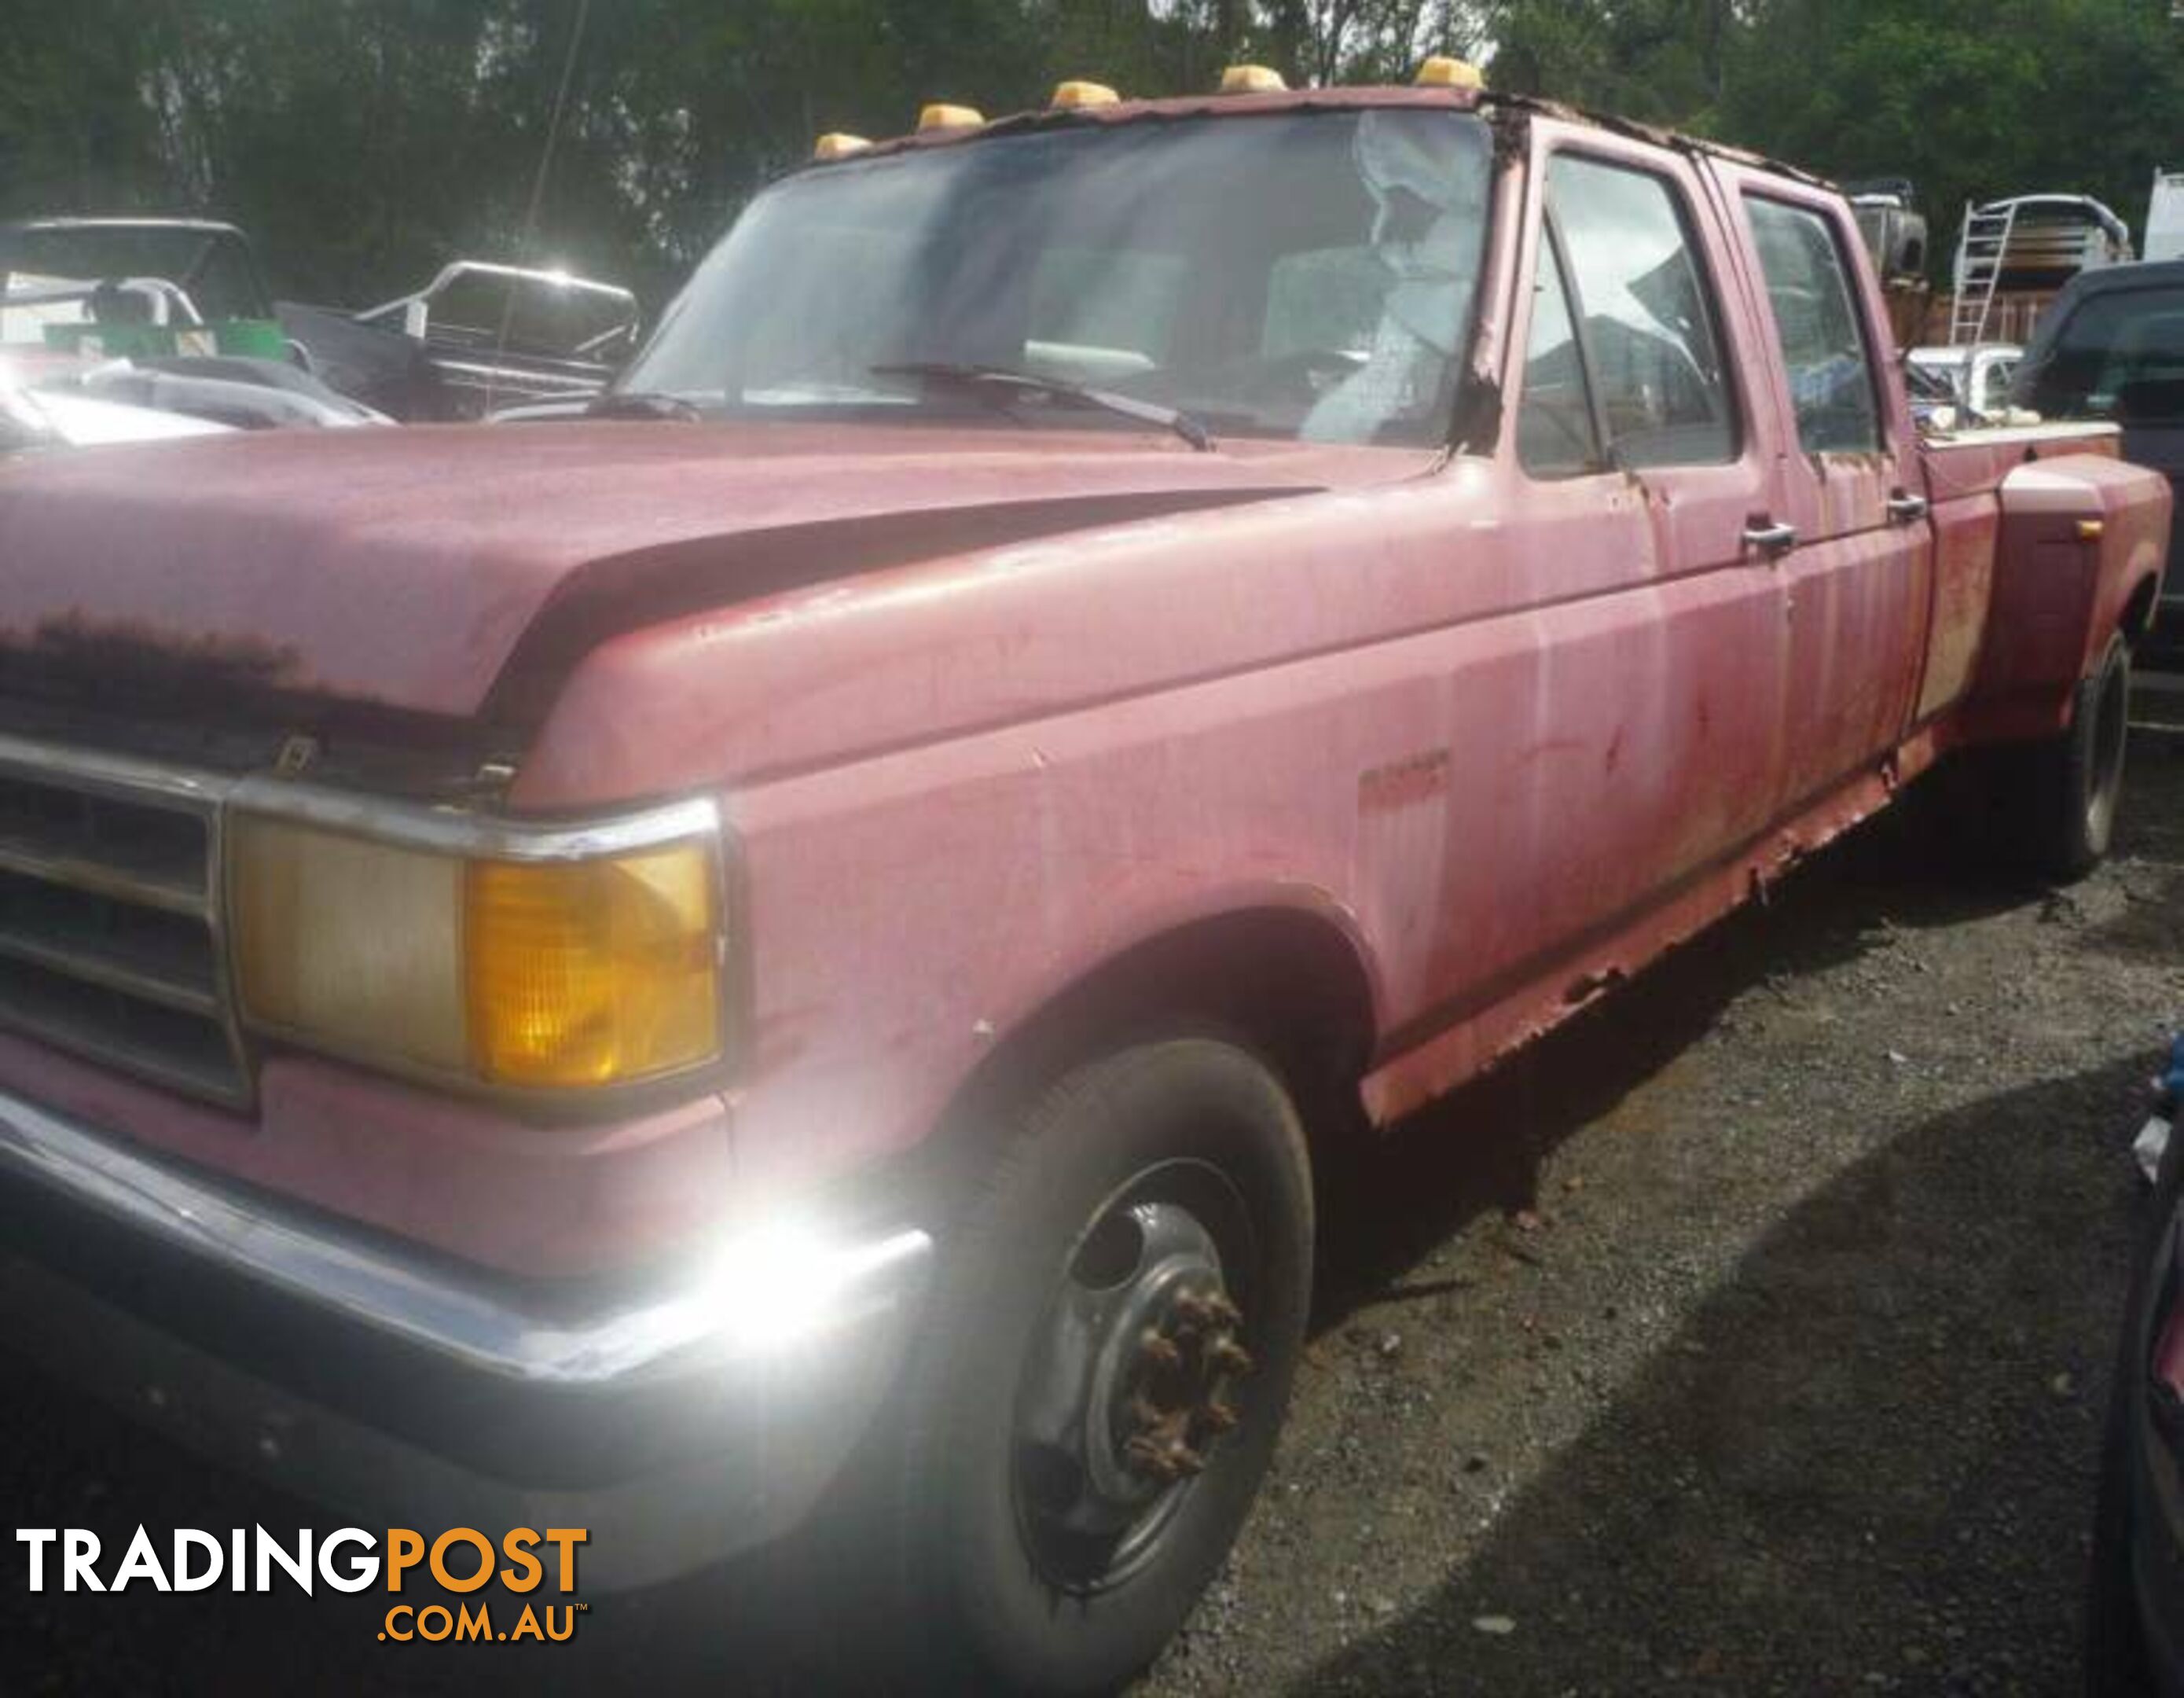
678 1420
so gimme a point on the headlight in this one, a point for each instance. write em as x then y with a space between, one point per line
525 972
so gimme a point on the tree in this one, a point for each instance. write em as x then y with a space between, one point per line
365 142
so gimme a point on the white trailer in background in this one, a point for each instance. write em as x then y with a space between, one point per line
2164 217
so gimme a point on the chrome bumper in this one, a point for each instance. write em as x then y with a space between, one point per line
735 1423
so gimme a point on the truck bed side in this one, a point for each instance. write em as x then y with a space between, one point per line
2022 604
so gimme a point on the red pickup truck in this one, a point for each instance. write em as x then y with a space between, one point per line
594 973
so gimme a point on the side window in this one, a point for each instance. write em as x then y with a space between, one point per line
1816 324
1645 320
1555 433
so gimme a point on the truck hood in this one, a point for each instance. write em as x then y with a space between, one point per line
411 568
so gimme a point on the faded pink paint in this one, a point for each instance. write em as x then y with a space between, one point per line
401 567
1504 740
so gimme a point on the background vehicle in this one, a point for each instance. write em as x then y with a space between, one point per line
476 337
159 315
143 286
2135 1614
2012 256
1895 231
1977 380
2112 350
40 419
1106 651
169 288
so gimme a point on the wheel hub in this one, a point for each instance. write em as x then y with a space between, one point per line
1185 1363
1129 1388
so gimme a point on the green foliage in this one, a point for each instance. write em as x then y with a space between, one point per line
363 142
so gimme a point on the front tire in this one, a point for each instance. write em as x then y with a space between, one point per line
1112 1338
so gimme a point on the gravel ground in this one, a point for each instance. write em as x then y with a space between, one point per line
1750 1336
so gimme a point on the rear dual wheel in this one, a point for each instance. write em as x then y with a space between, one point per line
2071 786
1109 1355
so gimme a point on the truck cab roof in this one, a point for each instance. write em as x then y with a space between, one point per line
1494 103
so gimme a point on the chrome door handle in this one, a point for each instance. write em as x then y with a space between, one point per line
1906 509
1770 539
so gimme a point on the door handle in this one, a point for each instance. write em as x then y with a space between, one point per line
1769 537
1906 509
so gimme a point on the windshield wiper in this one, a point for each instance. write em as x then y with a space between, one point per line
989 377
641 404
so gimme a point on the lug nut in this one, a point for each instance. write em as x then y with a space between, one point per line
1154 1457
1226 1356
1161 1352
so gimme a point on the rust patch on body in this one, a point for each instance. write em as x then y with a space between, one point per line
1403 782
146 656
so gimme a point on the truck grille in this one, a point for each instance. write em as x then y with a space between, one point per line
109 918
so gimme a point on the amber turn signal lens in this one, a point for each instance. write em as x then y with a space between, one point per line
542 972
591 972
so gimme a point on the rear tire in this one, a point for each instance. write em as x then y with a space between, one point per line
1042 1544
2068 789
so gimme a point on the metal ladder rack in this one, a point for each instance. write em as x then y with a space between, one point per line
1980 251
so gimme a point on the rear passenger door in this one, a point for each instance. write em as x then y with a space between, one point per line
1857 568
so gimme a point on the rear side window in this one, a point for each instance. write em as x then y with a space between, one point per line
1817 327
2119 357
1642 314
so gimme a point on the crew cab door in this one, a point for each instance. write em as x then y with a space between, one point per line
1645 731
1855 552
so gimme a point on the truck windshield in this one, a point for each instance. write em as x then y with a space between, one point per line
1302 274
2120 357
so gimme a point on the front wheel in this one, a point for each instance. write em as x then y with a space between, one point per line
1111 1342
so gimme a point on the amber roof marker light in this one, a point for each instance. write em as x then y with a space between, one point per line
1253 79
940 115
1077 95
837 144
1441 71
